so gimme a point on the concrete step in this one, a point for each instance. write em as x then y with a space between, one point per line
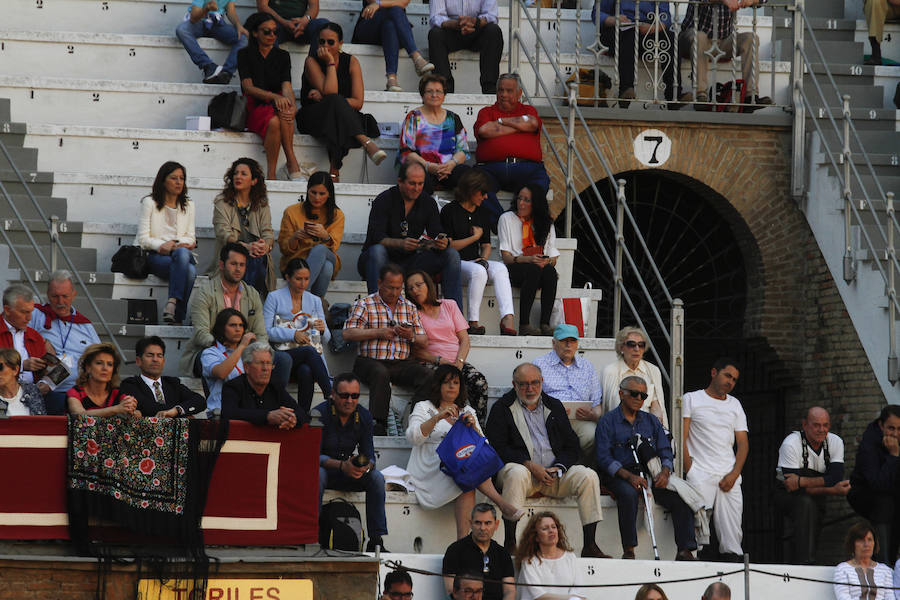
880 119
50 206
23 159
833 51
827 29
70 233
84 259
155 105
38 183
873 142
862 96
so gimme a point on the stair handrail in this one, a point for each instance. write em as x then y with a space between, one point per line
56 243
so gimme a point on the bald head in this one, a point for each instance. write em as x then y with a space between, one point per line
717 591
527 382
816 426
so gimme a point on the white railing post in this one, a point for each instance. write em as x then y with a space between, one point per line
798 183
892 291
849 262
676 370
620 246
570 155
54 237
514 25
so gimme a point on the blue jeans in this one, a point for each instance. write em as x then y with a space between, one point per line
222 30
627 507
445 262
372 483
255 275
321 263
308 369
511 177
179 269
390 28
309 36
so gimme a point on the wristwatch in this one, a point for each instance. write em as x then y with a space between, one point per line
525 118
500 120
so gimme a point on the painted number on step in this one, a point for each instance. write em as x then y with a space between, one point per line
405 510
531 512
831 24
95 97
135 145
657 572
70 49
104 6
7 223
590 569
5 128
37 275
92 278
873 115
551 25
491 302
856 70
424 21
452 65
32 177
470 111
161 100
206 147
163 10
893 160
39 3
123 330
62 226
652 147
131 52
518 354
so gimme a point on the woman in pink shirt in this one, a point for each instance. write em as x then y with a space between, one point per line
448 337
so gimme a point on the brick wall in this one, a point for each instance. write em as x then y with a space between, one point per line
792 300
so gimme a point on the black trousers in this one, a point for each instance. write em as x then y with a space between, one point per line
626 54
883 510
487 41
803 516
530 278
380 374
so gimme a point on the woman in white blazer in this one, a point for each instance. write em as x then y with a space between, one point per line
166 229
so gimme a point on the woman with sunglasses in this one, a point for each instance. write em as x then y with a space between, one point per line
631 344
222 362
313 230
429 423
434 137
241 214
17 399
331 99
384 22
468 224
528 248
265 73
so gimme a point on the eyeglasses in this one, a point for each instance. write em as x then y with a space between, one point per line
523 199
401 595
635 393
329 41
633 344
345 395
525 384
433 93
267 31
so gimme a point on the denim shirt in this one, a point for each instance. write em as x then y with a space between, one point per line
613 432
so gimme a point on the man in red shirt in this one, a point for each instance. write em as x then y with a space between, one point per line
509 143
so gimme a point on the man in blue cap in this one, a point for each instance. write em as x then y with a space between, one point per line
572 378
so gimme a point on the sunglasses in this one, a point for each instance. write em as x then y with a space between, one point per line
345 395
329 41
633 344
267 31
635 393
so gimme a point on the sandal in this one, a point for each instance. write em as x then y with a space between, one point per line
169 312
476 329
378 155
392 85
422 65
514 516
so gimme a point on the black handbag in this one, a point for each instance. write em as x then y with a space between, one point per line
370 125
228 110
130 261
141 311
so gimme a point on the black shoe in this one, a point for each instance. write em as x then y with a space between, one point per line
223 78
379 429
210 74
375 543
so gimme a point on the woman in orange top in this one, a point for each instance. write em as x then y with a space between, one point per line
312 230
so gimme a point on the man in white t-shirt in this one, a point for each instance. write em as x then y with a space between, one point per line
713 422
810 468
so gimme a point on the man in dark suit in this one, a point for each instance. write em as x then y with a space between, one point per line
159 395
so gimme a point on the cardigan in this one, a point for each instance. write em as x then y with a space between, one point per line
227 225
280 303
152 221
293 218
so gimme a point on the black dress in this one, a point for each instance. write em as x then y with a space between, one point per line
331 120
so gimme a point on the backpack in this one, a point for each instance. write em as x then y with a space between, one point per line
724 93
338 313
340 526
228 110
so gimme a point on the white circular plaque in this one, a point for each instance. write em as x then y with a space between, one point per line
652 147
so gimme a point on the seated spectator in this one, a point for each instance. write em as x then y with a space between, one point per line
471 26
331 99
297 20
313 230
877 12
650 591
64 328
528 248
166 230
651 32
429 423
875 481
625 478
241 214
531 433
206 19
287 304
347 457
479 553
221 362
253 397
545 557
861 577
810 468
716 22
468 224
384 23
435 138
448 338
716 591
397 586
399 219
158 395
509 143
18 306
265 72
467 585
387 326
17 399
96 391
572 378
227 291
631 345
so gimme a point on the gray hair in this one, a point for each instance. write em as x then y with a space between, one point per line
510 76
483 507
17 291
526 364
632 379
717 591
622 336
61 275
247 356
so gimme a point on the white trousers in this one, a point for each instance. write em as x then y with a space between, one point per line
728 508
516 483
475 278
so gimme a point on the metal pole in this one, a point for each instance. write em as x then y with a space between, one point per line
798 183
514 36
676 370
746 576
849 264
620 244
570 155
54 237
892 292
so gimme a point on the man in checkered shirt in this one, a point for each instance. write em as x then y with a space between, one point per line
715 21
386 325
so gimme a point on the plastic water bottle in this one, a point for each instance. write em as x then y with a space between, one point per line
315 339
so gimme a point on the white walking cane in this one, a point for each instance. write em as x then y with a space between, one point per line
646 490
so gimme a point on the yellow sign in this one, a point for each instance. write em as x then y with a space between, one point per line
228 589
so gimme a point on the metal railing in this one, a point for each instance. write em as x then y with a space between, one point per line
52 228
